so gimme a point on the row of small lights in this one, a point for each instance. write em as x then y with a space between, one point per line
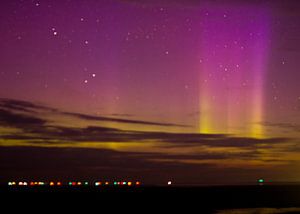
73 183
117 183
97 183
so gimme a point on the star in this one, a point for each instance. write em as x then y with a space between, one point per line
167 52
93 75
85 81
86 42
54 31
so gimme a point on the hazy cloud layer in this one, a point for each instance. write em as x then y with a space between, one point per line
89 149
287 126
39 129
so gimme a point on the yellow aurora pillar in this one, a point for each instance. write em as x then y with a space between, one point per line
232 73
256 128
205 117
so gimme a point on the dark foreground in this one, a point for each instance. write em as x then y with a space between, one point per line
205 199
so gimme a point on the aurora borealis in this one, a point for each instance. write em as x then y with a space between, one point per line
150 90
233 70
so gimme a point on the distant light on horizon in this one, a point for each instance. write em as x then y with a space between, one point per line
97 183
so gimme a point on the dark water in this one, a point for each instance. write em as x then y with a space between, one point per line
217 199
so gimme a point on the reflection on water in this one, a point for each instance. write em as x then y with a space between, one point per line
289 210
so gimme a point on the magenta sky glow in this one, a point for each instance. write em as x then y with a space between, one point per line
150 90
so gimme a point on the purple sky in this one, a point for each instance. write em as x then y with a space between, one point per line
182 85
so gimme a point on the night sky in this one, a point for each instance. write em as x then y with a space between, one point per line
199 92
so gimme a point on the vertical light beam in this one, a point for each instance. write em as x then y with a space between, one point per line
234 52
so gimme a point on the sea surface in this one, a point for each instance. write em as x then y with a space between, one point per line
252 199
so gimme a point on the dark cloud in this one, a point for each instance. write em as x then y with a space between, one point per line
8 118
252 154
119 120
216 140
289 126
10 105
24 106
